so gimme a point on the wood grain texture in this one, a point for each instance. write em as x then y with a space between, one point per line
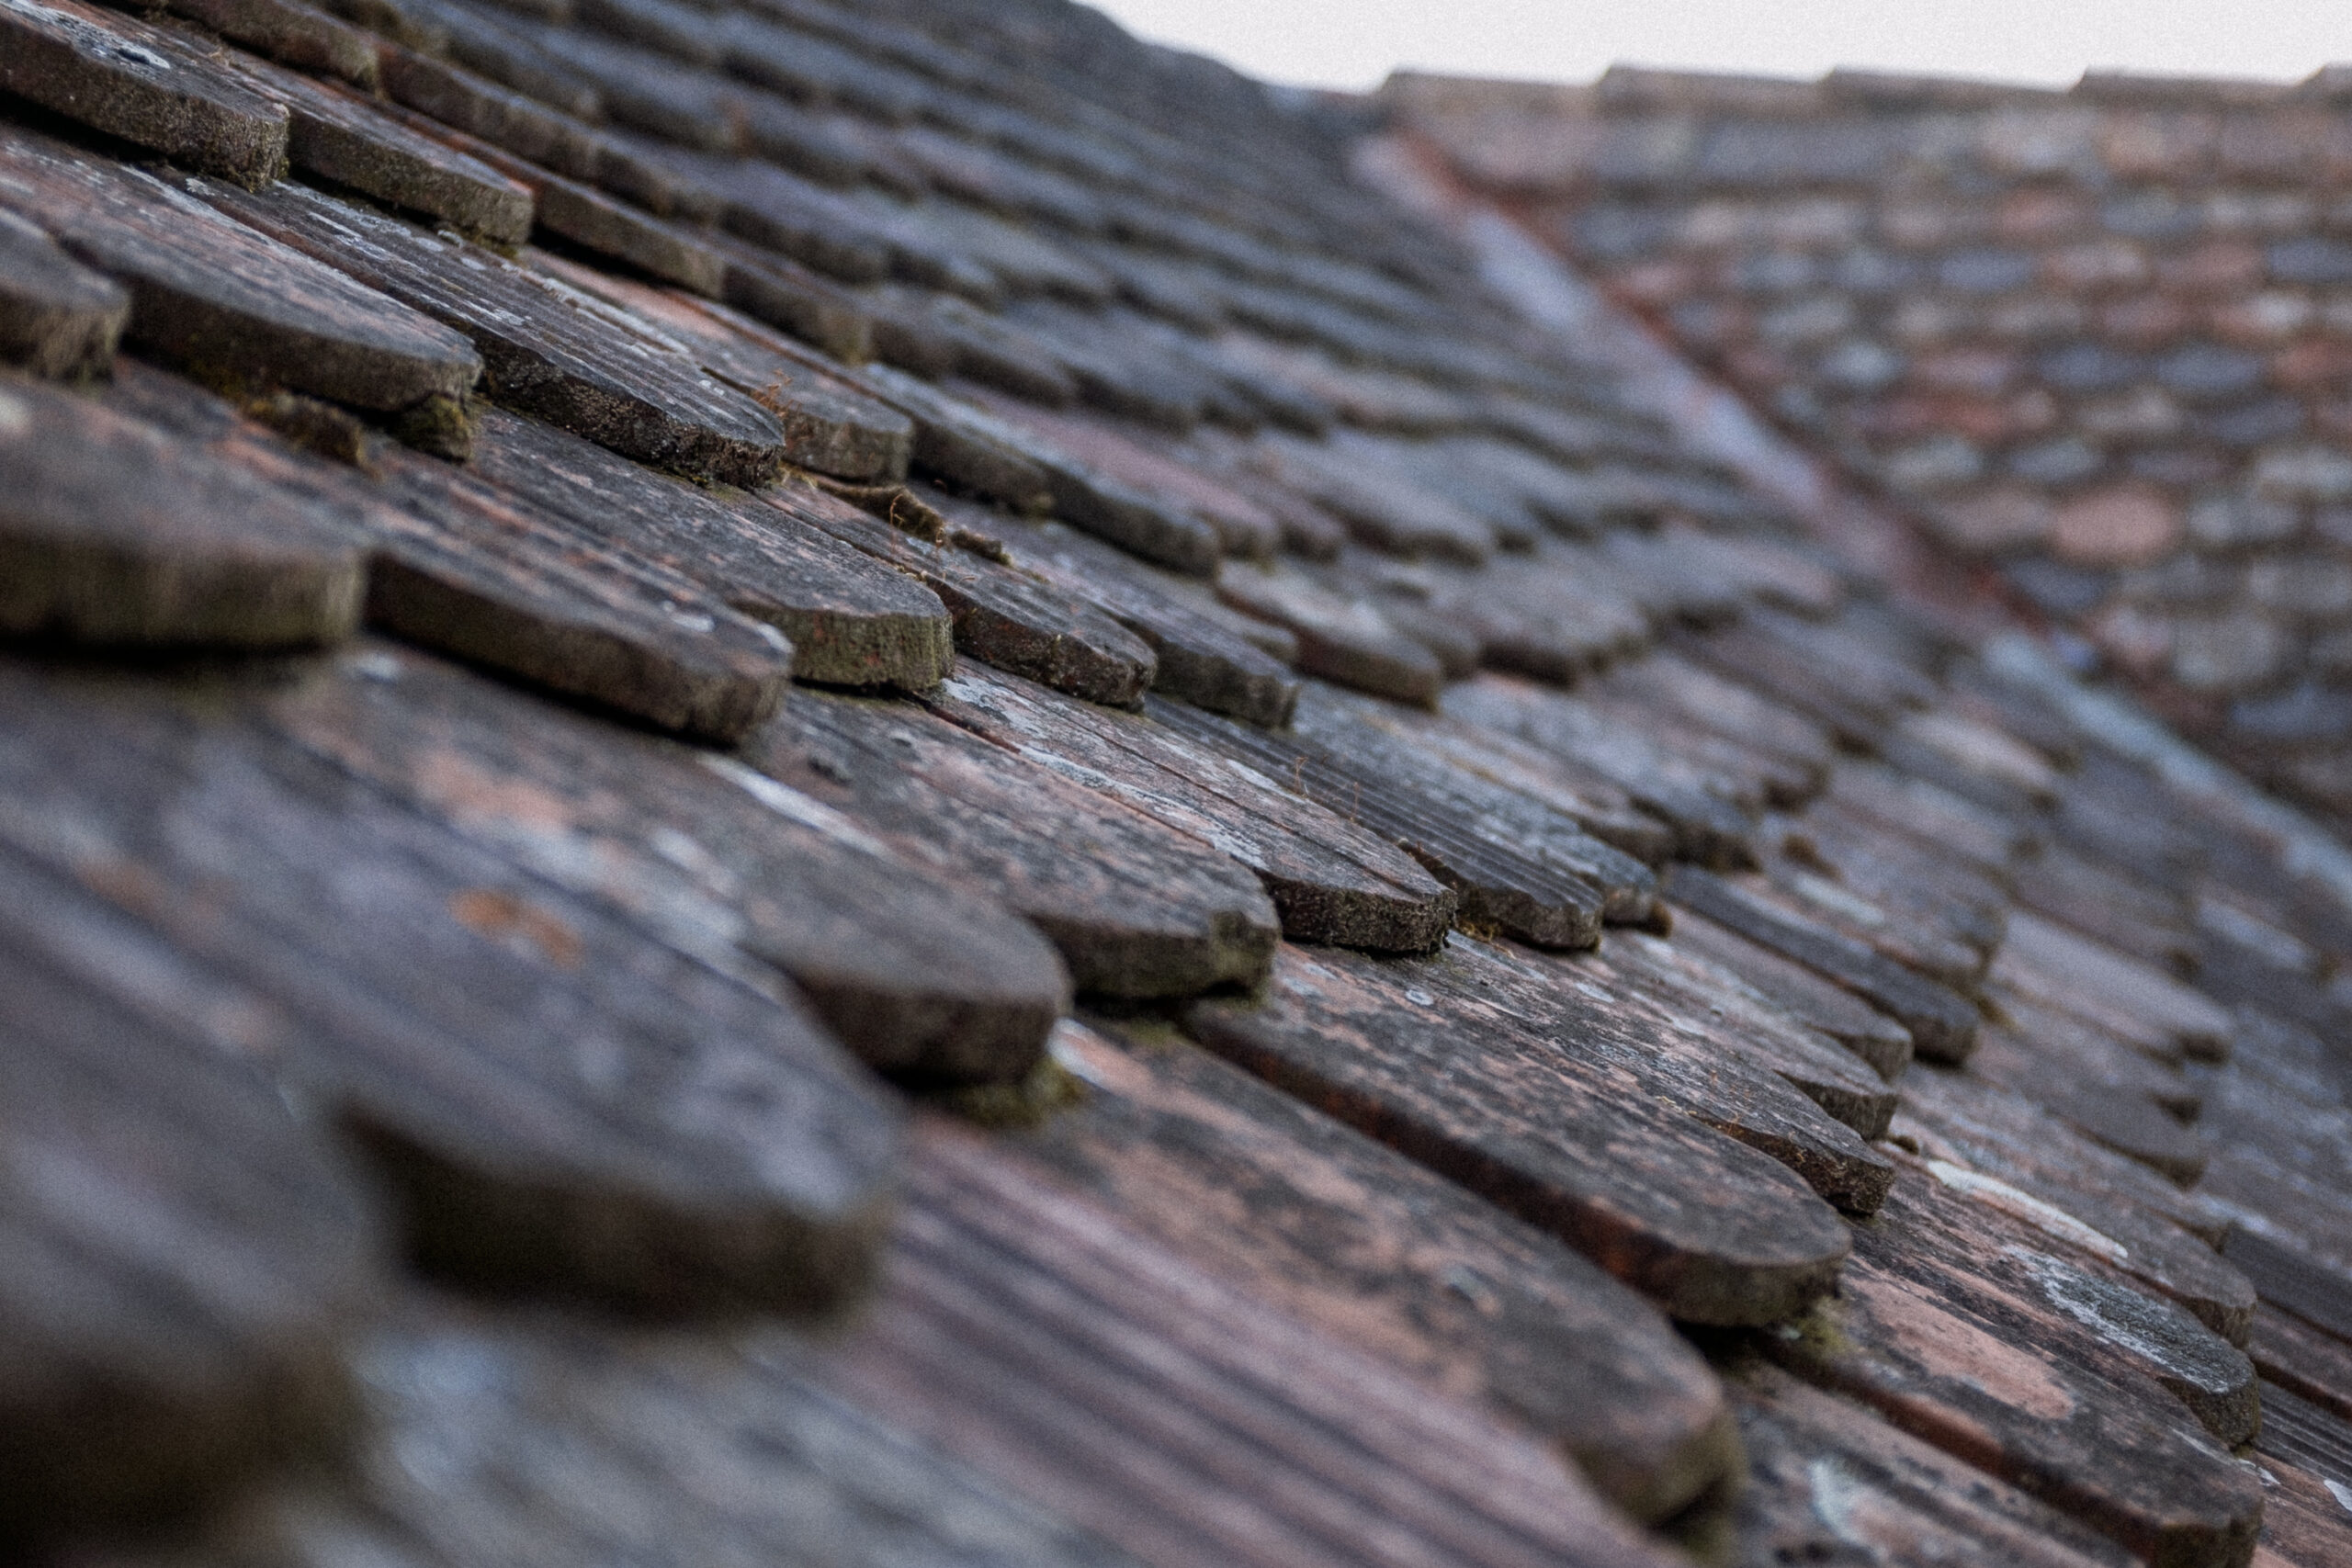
999 614
558 1105
1942 1024
1333 881
145 83
921 981
1882 1043
1138 909
1714 1231
1712 825
344 138
58 318
458 566
113 533
215 296
185 1255
1038 1339
1367 1245
1830 1482
1943 1326
549 350
853 622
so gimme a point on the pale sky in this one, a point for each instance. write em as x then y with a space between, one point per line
1354 43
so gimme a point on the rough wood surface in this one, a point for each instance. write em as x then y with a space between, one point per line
2075 973
184 1256
556 1104
112 532
1831 1482
999 614
1713 1002
559 1441
1878 1040
1942 1325
1355 734
1714 1231
1711 825
146 84
339 136
2041 1171
215 296
1208 656
1138 909
292 34
547 349
1035 1338
2308 1523
2310 1362
458 566
1344 640
1363 1244
921 981
1500 886
57 318
830 424
851 621
1333 881
1686 1057
1942 1024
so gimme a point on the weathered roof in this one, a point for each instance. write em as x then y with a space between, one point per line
874 786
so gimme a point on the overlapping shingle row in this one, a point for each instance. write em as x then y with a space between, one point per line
792 784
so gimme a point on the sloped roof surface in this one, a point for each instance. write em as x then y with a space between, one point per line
867 786
2093 339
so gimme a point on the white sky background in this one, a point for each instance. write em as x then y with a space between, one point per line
1355 43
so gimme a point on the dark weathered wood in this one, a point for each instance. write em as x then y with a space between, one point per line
1383 508
1606 812
549 350
2308 1361
417 79
142 82
1344 640
1590 1010
1501 884
830 425
1831 1482
2076 975
1861 1027
1208 656
1244 529
1138 909
999 614
1714 1003
1948 1327
1943 1023
183 1257
1714 1231
1134 1394
1543 614
290 33
2305 1435
337 136
2117 1111
555 1442
1373 1248
558 1104
2308 1523
225 302
851 621
1333 881
113 533
1902 924
57 317
921 981
1904 804
1711 824
457 565
1698 695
